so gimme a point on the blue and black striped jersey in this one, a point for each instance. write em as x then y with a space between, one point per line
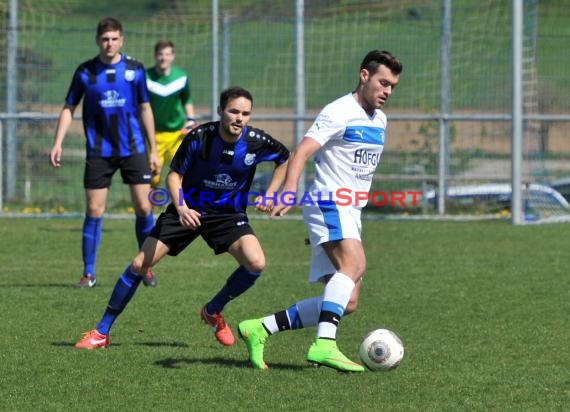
216 175
112 94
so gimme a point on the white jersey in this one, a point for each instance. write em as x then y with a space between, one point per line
351 145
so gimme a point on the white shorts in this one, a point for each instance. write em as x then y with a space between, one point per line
327 223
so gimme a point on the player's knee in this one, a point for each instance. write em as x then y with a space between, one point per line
256 265
144 209
360 269
95 211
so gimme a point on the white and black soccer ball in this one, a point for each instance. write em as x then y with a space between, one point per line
381 350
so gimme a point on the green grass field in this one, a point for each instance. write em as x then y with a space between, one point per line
482 309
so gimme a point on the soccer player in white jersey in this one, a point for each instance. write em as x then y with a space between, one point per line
346 141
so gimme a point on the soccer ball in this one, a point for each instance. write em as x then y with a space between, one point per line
381 350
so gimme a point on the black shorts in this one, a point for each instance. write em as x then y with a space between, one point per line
219 231
99 171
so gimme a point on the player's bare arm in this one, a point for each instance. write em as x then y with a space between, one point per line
189 218
148 123
277 179
191 122
307 148
63 123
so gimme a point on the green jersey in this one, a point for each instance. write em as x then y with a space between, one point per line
168 95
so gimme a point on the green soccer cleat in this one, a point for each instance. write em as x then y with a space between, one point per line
254 335
325 352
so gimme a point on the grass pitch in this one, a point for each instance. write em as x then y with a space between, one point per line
482 309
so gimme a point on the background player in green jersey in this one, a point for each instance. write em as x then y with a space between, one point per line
171 102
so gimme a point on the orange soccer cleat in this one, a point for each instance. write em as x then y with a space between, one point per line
222 331
93 340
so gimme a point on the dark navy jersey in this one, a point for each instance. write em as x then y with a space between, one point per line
216 175
112 94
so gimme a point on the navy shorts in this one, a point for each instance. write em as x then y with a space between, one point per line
99 171
218 230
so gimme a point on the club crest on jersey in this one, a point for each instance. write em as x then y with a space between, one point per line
249 159
129 75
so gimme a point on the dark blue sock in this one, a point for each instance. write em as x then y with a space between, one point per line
90 242
143 226
124 290
238 282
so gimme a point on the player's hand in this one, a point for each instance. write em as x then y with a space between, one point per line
190 125
286 201
155 165
263 204
189 218
55 156
279 210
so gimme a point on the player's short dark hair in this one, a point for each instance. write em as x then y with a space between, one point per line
108 24
376 58
163 44
233 93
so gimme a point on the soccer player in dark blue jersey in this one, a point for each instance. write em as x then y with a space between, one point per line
209 182
116 118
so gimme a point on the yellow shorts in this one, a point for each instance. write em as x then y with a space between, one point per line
167 144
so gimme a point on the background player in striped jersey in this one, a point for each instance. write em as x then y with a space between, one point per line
115 103
346 139
210 177
171 101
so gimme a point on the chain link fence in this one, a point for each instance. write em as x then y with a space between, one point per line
255 47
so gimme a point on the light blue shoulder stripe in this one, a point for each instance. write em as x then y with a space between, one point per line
364 134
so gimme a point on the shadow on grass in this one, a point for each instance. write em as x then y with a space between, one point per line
39 285
177 363
149 344
164 344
